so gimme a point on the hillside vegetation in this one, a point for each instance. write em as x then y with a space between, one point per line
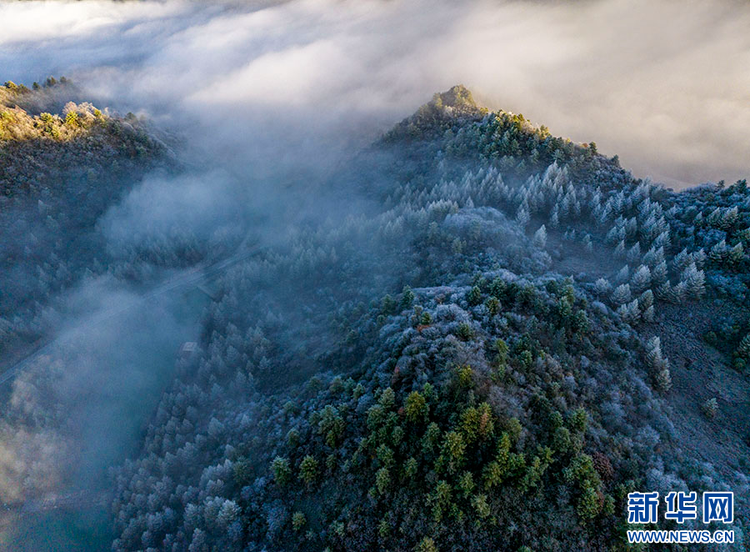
484 363
58 174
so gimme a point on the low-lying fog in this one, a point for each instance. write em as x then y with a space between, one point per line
663 84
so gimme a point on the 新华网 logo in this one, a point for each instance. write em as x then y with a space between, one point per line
681 506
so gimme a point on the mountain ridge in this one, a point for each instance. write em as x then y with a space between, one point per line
498 343
491 359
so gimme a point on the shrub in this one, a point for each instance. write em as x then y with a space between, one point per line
477 423
387 399
464 331
431 437
440 500
588 504
711 408
282 472
416 407
426 545
298 521
579 420
481 506
452 453
382 480
464 377
410 468
474 296
384 528
493 306
308 470
72 119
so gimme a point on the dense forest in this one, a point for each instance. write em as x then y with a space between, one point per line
491 354
505 337
58 175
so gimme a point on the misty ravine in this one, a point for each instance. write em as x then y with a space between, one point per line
272 280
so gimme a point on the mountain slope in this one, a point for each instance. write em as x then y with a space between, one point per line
58 175
479 364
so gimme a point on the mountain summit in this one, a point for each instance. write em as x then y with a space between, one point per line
439 114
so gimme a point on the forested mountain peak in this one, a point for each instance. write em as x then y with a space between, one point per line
443 110
64 139
458 101
453 125
502 349
496 343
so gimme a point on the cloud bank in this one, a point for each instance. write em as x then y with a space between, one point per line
663 84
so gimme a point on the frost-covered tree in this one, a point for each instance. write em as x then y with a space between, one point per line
620 250
663 240
540 237
660 273
699 257
648 314
664 291
694 281
621 295
736 254
653 256
587 243
658 364
710 407
681 260
743 349
554 220
522 216
630 312
613 236
602 286
631 228
729 218
714 218
646 299
641 279
719 252
634 253
679 293
623 276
